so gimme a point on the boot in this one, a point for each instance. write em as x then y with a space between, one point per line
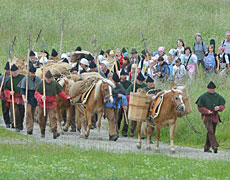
42 133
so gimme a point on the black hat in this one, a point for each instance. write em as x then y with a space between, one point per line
149 79
65 60
133 51
92 65
123 72
54 53
7 66
32 69
14 67
211 85
140 77
116 77
102 52
123 50
90 57
73 69
32 53
48 74
143 52
78 48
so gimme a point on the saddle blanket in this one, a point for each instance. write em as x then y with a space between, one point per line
86 94
157 106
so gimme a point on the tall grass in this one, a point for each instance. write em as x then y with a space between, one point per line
118 24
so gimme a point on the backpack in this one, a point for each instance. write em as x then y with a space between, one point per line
210 61
202 43
223 58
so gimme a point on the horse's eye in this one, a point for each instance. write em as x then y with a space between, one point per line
176 98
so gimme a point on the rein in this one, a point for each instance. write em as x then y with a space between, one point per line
190 124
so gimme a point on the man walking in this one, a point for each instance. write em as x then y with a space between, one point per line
209 104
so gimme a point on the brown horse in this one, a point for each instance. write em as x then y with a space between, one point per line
171 105
101 93
64 105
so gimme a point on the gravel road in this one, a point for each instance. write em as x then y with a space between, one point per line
122 145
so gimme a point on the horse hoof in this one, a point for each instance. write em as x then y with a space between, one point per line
172 151
138 146
148 148
85 137
157 150
65 129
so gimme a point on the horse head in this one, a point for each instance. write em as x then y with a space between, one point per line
177 100
65 84
106 90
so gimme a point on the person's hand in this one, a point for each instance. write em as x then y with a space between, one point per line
217 108
125 108
209 112
25 100
177 71
11 93
119 95
217 70
43 98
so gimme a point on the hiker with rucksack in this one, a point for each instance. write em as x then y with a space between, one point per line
190 62
224 61
211 61
199 49
226 44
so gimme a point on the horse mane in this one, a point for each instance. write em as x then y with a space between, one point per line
109 82
97 89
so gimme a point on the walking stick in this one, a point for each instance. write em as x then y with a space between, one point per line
135 79
3 79
27 76
43 74
37 39
62 33
12 85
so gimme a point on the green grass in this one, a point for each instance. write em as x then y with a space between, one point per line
49 161
118 24
11 135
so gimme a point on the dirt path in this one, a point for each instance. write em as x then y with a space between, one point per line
122 145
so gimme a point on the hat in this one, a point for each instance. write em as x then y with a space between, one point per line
63 56
123 72
32 69
126 54
123 50
47 54
54 53
48 74
73 69
32 53
65 60
92 65
116 77
111 52
100 58
133 51
90 57
198 34
149 79
43 59
102 52
211 85
84 61
14 68
172 52
106 63
140 77
7 66
69 54
143 52
162 49
78 48
178 60
155 53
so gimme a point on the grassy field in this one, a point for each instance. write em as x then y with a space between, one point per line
118 24
50 161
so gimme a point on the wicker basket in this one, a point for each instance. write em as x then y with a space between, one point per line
138 106
188 107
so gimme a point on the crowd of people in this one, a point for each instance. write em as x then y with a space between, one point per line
148 67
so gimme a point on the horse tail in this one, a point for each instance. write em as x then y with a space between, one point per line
97 89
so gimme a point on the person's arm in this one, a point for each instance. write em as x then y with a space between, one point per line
63 95
227 62
205 48
204 110
218 63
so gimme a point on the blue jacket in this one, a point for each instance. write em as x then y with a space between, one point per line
118 102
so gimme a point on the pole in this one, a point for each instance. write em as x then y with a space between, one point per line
62 33
35 43
2 83
12 85
43 73
145 46
27 75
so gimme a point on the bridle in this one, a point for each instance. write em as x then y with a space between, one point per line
105 91
178 103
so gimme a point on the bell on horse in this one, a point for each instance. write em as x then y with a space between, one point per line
171 103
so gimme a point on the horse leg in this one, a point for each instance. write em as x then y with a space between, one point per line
158 138
59 118
139 134
89 120
68 116
171 130
99 115
150 130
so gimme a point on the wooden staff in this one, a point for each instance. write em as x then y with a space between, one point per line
62 33
27 76
2 83
37 39
43 74
135 79
12 85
